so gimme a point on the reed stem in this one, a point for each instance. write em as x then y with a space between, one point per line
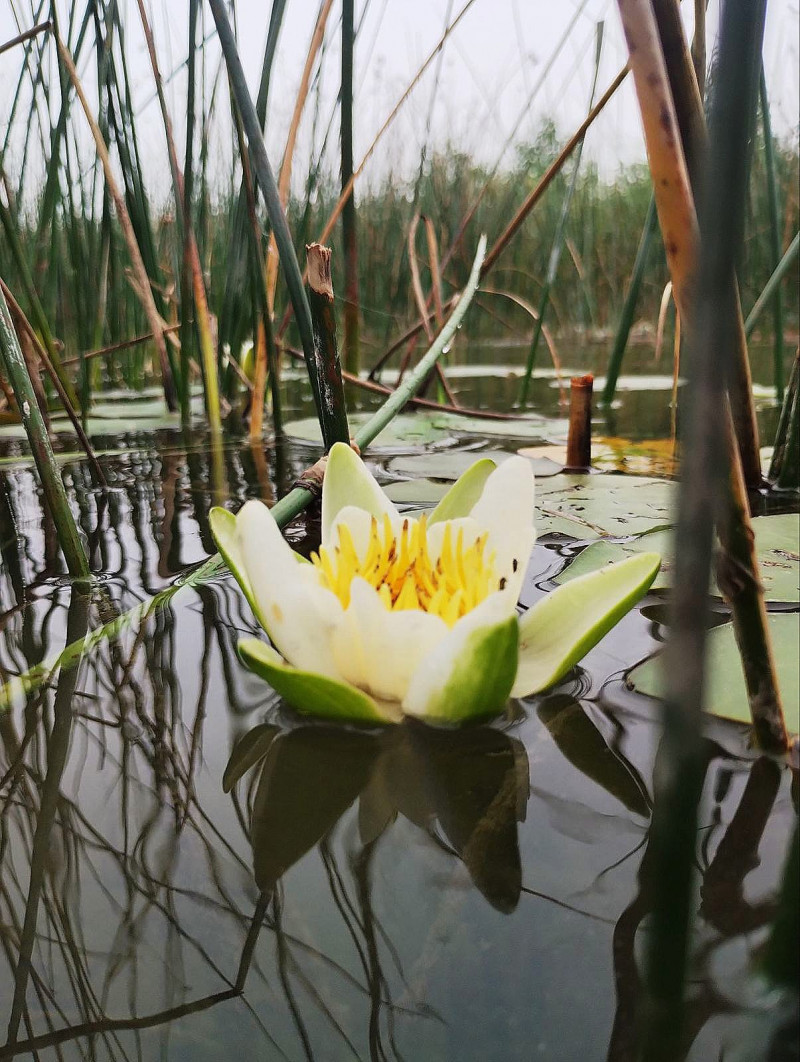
326 350
774 282
782 434
54 493
774 236
352 356
263 172
629 306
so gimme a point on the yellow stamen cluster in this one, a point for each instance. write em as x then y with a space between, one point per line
402 571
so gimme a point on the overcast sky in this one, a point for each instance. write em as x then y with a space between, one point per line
498 77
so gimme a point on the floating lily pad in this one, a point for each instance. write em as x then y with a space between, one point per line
527 427
726 695
594 506
407 429
777 540
451 464
584 507
417 492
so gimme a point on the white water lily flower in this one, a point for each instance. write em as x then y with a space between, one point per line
402 616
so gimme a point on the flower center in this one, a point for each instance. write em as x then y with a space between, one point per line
403 572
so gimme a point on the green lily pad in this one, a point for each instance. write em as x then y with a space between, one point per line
726 695
598 505
527 427
450 464
421 493
776 545
407 429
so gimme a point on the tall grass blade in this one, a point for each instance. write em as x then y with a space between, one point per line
54 493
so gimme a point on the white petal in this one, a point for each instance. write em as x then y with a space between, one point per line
348 482
506 510
469 529
359 524
378 650
471 671
298 614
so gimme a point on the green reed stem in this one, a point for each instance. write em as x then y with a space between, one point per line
54 493
781 269
629 306
269 189
774 236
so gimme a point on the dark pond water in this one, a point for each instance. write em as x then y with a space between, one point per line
187 872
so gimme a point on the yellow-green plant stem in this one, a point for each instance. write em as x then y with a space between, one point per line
54 493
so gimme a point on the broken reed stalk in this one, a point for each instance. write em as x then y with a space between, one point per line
142 281
197 297
285 510
23 325
352 353
558 238
297 499
54 493
711 323
774 236
285 174
326 350
262 170
694 137
579 439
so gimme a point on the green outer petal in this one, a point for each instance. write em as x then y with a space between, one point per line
308 693
480 678
464 493
562 627
348 481
223 529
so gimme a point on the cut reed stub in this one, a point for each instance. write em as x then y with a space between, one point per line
579 439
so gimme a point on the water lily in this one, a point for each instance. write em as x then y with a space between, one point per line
397 616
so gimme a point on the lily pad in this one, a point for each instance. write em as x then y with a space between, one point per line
407 429
450 464
584 507
527 427
597 505
421 493
776 544
726 695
